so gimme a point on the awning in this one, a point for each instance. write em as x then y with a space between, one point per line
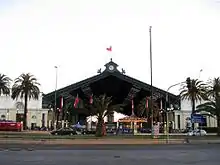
132 119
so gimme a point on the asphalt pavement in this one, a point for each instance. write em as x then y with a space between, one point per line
201 154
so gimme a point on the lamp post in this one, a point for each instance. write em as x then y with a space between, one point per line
166 110
55 96
201 70
151 84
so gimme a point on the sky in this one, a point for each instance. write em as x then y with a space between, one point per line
36 35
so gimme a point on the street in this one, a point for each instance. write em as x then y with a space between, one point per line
203 154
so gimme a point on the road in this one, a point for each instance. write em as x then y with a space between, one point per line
203 154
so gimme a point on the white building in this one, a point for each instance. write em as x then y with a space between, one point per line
14 109
185 112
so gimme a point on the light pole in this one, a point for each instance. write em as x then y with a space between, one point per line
201 70
55 95
151 84
166 110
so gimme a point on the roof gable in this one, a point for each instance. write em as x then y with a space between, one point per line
105 74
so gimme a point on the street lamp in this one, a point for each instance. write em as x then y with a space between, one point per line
166 109
151 78
55 95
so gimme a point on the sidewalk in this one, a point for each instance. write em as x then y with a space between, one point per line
204 141
92 141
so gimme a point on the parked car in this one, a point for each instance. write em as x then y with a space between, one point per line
89 132
197 132
64 131
9 125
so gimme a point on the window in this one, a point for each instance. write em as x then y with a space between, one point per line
2 116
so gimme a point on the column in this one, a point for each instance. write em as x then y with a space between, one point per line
135 128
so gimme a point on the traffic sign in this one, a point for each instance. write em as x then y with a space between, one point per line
197 118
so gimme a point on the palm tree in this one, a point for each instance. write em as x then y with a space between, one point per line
194 91
4 85
69 110
213 88
25 86
144 110
212 106
102 107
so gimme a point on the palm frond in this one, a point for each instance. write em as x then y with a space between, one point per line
214 88
198 91
143 111
209 107
4 85
25 84
101 106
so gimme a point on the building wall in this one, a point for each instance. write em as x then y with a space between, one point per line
187 106
6 102
185 112
34 116
9 108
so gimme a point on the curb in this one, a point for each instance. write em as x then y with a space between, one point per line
92 142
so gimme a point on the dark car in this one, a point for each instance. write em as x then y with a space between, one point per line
64 131
88 132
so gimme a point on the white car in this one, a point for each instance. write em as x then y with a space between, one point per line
197 132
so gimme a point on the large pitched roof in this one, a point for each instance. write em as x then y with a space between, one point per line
111 70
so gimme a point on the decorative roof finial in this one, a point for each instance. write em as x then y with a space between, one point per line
122 71
99 71
111 59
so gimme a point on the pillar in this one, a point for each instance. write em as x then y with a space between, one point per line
135 128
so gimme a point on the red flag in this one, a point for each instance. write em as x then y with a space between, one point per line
91 99
146 106
61 102
132 106
76 102
109 49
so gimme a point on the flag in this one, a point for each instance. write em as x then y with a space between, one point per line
132 107
146 105
161 104
61 102
109 48
91 99
76 102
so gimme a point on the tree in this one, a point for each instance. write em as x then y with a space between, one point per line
194 91
102 106
213 89
212 104
25 86
144 110
4 85
69 110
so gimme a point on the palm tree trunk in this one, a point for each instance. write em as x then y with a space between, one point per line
193 110
25 111
218 125
99 128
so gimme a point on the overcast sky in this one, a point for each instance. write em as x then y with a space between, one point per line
36 35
